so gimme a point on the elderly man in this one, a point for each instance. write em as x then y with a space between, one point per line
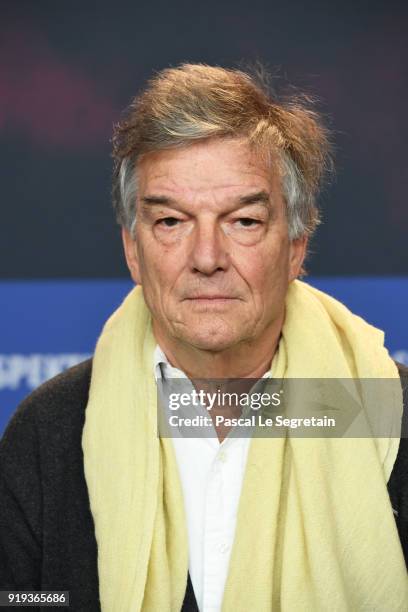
215 187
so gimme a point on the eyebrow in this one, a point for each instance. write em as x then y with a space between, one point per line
260 197
159 199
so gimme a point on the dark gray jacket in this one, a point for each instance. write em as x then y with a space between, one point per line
47 539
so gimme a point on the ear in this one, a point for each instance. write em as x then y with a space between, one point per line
297 253
131 254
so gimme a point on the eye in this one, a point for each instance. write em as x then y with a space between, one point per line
168 221
248 222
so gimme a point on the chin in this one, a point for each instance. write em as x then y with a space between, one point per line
212 340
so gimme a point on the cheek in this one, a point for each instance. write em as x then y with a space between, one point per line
263 267
159 269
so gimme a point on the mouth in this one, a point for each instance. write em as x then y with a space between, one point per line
209 301
209 298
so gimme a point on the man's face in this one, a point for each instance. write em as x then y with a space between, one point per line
211 250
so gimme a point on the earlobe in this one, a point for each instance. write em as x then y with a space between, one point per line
297 256
131 255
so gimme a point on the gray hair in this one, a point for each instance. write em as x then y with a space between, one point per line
195 102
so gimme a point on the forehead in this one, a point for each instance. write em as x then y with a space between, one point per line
224 166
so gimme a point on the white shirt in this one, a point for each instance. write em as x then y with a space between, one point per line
211 475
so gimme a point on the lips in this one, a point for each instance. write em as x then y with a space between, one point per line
211 297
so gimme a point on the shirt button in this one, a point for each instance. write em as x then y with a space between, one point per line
223 548
222 456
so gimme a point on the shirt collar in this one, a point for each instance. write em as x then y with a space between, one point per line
163 369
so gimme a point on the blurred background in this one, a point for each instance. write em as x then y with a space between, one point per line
68 69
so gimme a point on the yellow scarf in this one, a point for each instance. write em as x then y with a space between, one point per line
315 528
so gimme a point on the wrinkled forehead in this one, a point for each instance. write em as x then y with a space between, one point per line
226 167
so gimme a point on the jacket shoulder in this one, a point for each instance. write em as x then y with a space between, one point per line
51 414
65 393
399 476
398 482
46 527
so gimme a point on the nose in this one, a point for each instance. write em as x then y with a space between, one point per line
209 253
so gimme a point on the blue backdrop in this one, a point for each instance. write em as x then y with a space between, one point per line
47 326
